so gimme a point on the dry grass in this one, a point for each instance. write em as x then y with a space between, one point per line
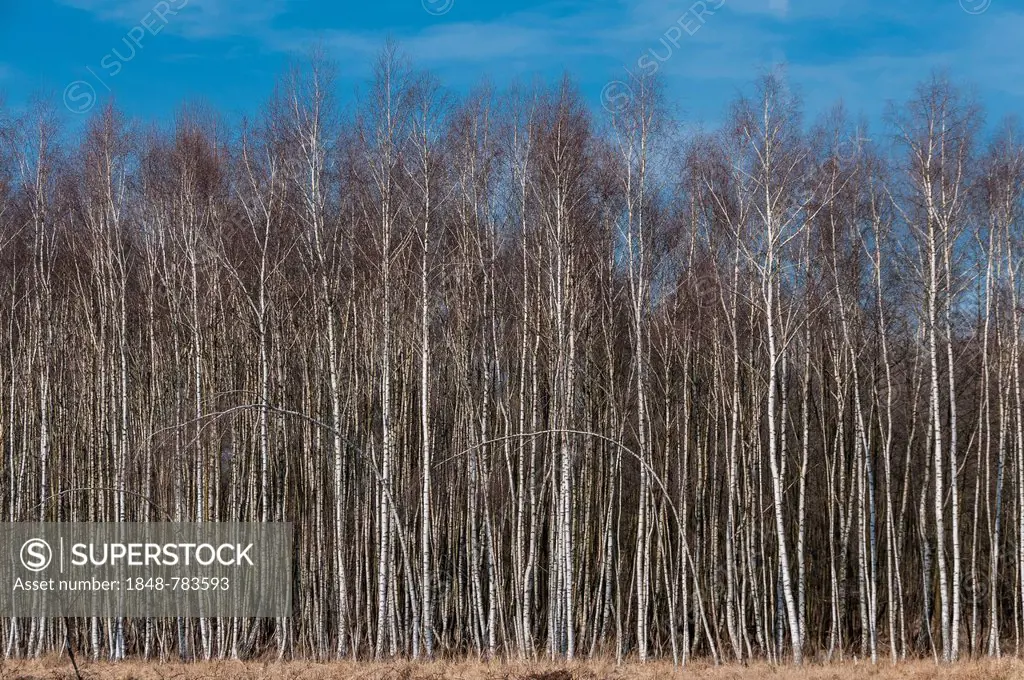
60 669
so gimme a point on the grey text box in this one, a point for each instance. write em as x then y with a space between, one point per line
145 569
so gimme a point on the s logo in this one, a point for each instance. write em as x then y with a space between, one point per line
36 554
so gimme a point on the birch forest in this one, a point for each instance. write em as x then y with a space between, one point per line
532 379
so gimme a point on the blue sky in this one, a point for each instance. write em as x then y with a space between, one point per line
153 55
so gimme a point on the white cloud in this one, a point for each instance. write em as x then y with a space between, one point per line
196 19
734 45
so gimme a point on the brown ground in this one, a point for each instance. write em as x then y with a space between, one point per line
59 668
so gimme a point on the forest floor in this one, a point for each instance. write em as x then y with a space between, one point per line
59 668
